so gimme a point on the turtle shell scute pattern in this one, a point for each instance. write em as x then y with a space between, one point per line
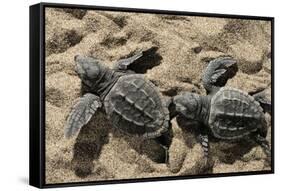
136 107
235 114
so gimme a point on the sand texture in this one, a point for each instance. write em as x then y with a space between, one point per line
179 48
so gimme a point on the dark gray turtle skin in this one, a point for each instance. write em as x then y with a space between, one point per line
229 113
132 103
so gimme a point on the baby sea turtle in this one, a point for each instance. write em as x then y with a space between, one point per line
229 114
131 103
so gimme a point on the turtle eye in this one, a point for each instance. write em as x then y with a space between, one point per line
190 103
92 71
180 108
86 83
192 106
79 70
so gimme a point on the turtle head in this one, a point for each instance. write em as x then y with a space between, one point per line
187 104
89 70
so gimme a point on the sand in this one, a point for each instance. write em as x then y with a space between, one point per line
181 48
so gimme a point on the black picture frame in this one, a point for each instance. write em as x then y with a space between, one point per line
37 93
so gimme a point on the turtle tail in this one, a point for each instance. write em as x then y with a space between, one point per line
264 144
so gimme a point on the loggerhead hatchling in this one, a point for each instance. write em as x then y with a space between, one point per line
131 103
229 114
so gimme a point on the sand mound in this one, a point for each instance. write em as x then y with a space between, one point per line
180 48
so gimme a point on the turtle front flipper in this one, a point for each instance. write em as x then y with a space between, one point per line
123 64
218 72
204 140
140 62
81 113
264 101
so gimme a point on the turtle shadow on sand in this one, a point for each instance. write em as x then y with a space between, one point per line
93 136
150 59
191 132
148 147
226 151
88 145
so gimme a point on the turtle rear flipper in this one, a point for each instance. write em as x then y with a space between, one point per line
264 102
81 113
264 144
218 72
